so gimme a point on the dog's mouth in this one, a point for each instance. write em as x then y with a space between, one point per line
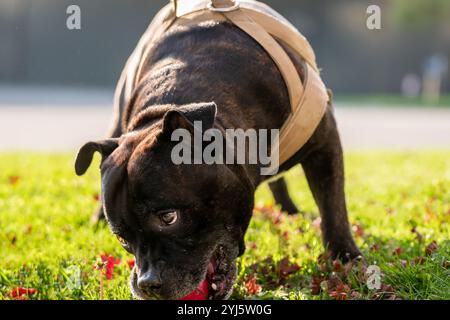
216 285
220 275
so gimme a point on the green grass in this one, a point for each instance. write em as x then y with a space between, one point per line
45 233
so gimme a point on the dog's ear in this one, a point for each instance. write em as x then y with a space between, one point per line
86 153
185 116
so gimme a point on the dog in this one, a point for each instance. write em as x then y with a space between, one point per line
186 223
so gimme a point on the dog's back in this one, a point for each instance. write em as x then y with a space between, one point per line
214 61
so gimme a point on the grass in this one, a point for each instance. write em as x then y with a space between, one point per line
47 243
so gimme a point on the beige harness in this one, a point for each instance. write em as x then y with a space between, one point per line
308 100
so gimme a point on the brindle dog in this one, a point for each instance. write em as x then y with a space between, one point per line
185 223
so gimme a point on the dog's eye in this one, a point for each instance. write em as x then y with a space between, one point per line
169 218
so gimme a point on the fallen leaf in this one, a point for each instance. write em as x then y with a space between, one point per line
131 263
337 295
315 285
336 266
347 268
277 219
340 292
418 234
397 251
358 230
12 238
431 248
287 268
419 260
20 293
253 246
13 180
28 229
252 287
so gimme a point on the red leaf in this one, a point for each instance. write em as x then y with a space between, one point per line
358 230
337 295
387 288
252 287
347 268
315 285
397 251
277 219
96 197
253 246
340 293
131 263
109 262
355 295
20 293
375 247
31 291
287 268
336 266
286 235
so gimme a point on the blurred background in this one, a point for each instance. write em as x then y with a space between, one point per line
392 85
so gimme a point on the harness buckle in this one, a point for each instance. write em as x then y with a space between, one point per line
234 7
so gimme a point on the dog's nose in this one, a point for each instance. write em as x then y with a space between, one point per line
149 281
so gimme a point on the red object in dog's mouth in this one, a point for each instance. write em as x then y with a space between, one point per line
202 292
211 285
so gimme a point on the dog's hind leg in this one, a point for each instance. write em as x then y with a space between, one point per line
324 170
281 195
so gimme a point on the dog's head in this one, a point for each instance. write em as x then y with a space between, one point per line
183 223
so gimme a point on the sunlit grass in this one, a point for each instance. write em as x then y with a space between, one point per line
45 230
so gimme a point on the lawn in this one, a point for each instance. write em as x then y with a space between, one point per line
399 207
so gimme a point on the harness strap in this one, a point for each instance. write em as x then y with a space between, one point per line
277 53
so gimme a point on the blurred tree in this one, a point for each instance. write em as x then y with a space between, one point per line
421 13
